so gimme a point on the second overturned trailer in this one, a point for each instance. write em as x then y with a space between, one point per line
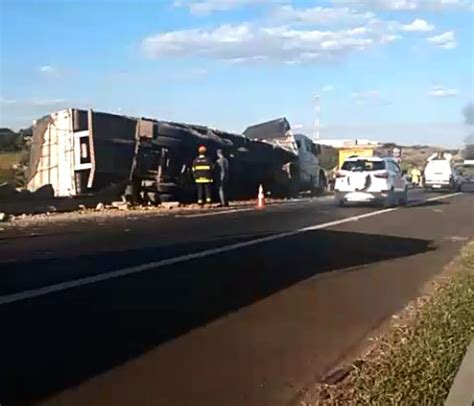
77 152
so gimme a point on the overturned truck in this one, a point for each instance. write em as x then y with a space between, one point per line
80 152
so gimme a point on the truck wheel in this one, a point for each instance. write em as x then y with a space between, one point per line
389 200
152 197
168 142
404 198
322 183
167 188
171 131
164 197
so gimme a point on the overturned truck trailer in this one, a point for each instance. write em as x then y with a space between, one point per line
79 152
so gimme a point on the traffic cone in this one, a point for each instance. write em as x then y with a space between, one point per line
261 198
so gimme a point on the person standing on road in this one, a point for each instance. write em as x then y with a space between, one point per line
202 171
222 176
416 176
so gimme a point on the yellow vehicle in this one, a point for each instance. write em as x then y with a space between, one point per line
346 152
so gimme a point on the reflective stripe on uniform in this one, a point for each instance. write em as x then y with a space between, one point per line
202 168
203 180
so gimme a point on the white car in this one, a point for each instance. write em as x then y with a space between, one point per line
371 179
439 174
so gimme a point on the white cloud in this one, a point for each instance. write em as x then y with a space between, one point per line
203 7
417 25
320 15
367 94
370 96
48 102
446 40
190 74
327 88
387 39
7 101
408 5
441 91
251 42
48 69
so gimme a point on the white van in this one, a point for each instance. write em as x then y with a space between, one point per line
440 175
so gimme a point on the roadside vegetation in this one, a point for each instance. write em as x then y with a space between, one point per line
14 148
417 360
12 167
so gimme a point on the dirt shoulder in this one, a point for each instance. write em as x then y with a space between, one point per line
417 358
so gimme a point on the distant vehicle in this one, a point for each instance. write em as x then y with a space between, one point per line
371 179
439 174
466 173
354 150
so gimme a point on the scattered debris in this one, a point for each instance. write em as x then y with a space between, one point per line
3 216
170 205
121 205
100 206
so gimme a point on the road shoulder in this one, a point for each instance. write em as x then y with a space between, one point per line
421 346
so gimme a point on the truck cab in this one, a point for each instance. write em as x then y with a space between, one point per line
311 175
304 172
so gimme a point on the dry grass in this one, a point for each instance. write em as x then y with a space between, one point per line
415 362
7 160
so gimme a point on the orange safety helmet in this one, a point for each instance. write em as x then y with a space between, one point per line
202 149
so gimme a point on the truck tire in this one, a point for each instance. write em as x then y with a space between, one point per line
172 132
165 197
322 183
321 187
404 198
152 197
167 188
168 142
389 200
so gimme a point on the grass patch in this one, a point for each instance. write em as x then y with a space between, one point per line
416 361
7 160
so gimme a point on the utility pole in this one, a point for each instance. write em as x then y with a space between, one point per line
317 120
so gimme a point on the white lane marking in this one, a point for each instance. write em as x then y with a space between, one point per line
431 199
58 287
276 204
216 213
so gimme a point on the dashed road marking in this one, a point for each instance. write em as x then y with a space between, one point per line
58 287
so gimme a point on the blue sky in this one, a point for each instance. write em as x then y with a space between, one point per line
391 70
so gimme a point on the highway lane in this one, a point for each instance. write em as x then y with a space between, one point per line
70 250
61 339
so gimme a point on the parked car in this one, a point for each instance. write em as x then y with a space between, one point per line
371 179
439 174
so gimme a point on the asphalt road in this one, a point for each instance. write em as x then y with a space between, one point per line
244 307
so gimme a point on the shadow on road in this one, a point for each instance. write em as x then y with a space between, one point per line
429 203
51 343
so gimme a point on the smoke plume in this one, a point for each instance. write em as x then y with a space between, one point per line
468 113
